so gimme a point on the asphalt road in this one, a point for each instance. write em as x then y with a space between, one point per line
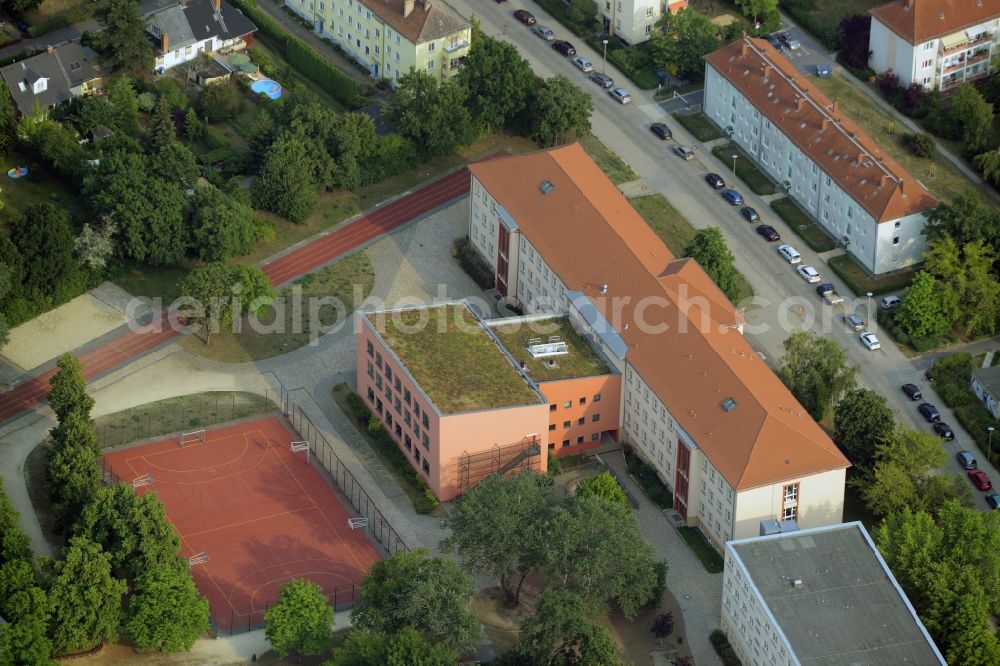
780 292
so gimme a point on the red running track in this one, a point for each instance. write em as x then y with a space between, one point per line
313 254
262 515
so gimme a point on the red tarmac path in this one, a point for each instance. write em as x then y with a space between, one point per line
281 270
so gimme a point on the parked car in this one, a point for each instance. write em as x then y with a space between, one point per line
829 293
979 479
715 180
602 80
768 232
890 302
944 431
543 32
661 130
525 17
966 460
912 392
749 213
775 41
854 322
790 254
870 341
732 196
620 95
789 41
564 47
685 152
929 412
808 273
824 71
993 500
582 64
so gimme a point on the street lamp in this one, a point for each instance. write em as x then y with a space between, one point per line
604 65
869 294
989 445
734 165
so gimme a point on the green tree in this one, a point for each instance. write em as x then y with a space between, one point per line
95 245
492 529
222 227
24 638
14 544
283 185
861 421
758 9
581 12
980 302
563 631
220 101
133 529
125 102
364 647
353 142
904 464
975 115
42 235
73 477
86 599
605 487
302 620
69 389
558 109
162 131
166 613
433 114
682 41
709 249
430 594
815 369
922 314
122 40
194 129
499 81
219 291
988 164
175 164
8 122
965 219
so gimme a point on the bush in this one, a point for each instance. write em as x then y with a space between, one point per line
801 11
722 648
888 82
374 426
648 480
393 155
426 502
952 377
921 145
358 406
215 138
473 264
862 73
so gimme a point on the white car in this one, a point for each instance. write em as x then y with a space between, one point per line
543 32
870 341
808 273
621 95
582 64
789 253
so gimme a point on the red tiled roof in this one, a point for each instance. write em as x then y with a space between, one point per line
815 124
428 20
590 235
919 21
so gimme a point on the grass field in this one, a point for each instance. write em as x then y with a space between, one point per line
745 168
37 187
937 174
699 125
614 167
833 12
861 283
348 281
708 556
807 229
264 51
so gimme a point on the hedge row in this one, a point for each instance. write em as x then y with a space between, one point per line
648 480
802 12
301 56
722 648
473 264
952 382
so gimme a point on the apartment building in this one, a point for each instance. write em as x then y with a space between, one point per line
697 402
464 397
819 596
185 30
939 44
391 37
801 139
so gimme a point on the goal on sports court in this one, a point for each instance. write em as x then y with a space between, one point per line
192 437
355 523
144 480
198 558
296 447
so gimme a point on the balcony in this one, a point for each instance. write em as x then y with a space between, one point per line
983 39
457 45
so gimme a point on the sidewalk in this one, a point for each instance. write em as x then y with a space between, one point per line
319 44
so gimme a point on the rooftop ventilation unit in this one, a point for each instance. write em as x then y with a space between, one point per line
554 347
546 187
797 583
604 289
729 404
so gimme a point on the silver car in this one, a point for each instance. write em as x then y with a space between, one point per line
854 322
621 95
543 32
582 64
602 80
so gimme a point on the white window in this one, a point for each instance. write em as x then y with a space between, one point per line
430 47
649 11
649 29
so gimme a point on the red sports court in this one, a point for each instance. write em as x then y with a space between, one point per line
252 514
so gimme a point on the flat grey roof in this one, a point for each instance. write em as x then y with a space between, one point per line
848 610
989 378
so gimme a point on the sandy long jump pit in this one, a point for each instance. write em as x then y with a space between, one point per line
258 514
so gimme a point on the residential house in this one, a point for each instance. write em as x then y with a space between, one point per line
800 138
633 21
986 386
184 31
939 44
51 78
464 397
697 402
391 37
819 596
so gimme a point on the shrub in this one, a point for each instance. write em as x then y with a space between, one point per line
648 480
921 145
374 426
473 264
393 155
358 406
801 11
888 82
426 502
215 138
722 647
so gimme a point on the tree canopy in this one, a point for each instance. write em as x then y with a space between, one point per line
364 647
709 249
43 236
166 613
563 631
220 291
683 40
433 114
558 110
815 369
302 620
604 486
861 421
286 183
498 80
122 40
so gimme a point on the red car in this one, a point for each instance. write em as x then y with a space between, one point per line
980 480
525 17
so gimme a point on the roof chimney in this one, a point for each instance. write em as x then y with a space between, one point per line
767 71
800 103
408 7
883 181
836 107
861 158
908 5
165 43
218 6
826 122
743 49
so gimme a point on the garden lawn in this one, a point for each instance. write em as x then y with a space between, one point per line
349 280
936 173
152 282
833 12
615 168
265 52
37 187
708 556
861 283
699 125
807 229
746 170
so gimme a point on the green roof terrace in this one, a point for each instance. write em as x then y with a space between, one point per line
453 358
551 360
